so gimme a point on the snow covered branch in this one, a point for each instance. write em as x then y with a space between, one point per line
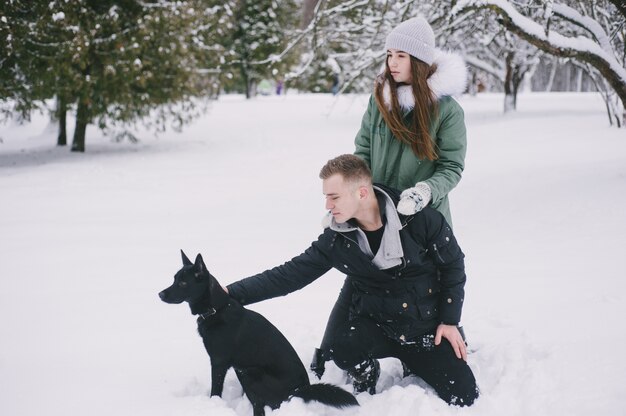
584 49
586 23
485 66
620 5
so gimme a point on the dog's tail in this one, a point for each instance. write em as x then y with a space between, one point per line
327 394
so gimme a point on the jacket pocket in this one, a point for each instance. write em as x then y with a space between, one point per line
445 249
430 286
384 309
428 309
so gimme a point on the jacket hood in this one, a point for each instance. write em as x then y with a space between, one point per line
449 79
390 252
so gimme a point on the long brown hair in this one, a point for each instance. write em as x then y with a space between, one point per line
417 134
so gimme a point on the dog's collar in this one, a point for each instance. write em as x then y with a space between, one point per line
207 314
212 311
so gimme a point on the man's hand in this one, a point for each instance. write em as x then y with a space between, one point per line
452 334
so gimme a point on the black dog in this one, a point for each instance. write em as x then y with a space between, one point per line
266 364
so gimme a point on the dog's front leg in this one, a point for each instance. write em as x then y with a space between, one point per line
258 409
218 374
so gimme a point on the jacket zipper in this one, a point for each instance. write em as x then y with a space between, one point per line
437 252
349 239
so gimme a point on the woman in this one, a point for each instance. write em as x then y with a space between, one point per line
413 138
413 133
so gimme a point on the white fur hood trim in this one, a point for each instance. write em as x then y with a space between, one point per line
327 220
450 79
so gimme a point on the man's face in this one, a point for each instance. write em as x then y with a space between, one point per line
343 198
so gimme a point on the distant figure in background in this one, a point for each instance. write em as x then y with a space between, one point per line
265 87
279 87
335 87
412 137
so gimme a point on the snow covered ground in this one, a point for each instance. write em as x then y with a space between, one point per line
88 240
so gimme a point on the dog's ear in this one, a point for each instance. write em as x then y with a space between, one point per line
200 266
186 261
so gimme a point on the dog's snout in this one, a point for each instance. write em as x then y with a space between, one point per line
171 295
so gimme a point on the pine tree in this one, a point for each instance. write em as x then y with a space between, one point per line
116 62
21 71
259 33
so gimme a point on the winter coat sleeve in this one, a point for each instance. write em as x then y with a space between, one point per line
451 142
363 137
449 259
281 280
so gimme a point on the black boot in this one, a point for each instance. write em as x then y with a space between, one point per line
318 364
364 376
406 371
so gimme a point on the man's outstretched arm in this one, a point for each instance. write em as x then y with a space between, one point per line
286 278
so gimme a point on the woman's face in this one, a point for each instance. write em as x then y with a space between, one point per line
399 63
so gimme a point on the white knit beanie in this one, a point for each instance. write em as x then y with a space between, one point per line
415 37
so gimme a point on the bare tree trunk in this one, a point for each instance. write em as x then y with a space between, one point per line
555 65
514 76
250 88
62 116
248 81
472 87
509 89
579 79
526 82
82 119
608 95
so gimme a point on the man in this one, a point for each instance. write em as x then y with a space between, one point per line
404 287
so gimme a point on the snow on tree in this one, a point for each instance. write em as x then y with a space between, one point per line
489 48
347 38
591 32
116 62
18 66
257 32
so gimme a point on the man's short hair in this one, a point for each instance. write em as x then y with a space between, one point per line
351 167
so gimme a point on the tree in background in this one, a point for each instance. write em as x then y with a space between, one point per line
591 32
258 31
19 67
345 39
490 48
116 62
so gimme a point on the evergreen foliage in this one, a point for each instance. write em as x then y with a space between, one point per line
258 31
115 61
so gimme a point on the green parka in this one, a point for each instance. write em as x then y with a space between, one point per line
394 164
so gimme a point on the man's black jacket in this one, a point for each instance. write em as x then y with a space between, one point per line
406 301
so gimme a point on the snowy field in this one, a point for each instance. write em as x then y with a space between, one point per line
88 240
